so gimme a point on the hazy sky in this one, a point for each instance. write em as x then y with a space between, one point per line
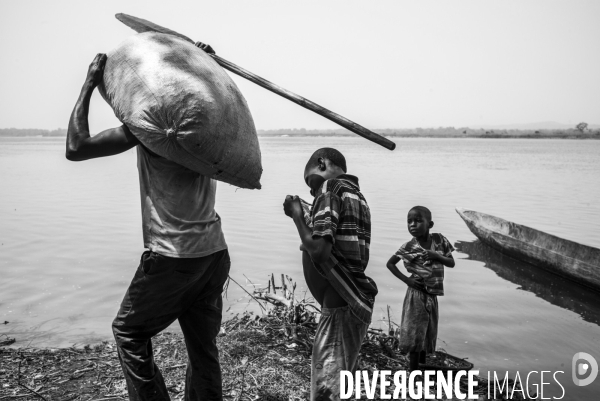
383 64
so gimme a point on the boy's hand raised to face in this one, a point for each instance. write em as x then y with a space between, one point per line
291 206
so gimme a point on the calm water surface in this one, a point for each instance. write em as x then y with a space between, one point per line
71 239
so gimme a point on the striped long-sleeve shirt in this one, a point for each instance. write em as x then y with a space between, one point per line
341 213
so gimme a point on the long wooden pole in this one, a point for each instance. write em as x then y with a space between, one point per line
307 104
142 25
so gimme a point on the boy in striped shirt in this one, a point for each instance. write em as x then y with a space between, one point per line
424 256
336 235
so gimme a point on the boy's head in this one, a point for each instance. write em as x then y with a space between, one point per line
419 221
324 164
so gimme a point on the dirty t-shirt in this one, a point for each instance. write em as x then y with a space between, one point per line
178 209
430 273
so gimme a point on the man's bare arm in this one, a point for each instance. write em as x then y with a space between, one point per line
82 146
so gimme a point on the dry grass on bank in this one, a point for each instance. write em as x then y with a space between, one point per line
263 357
257 360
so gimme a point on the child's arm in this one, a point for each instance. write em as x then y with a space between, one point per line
318 248
447 261
409 281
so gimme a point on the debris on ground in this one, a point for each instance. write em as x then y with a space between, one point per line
263 357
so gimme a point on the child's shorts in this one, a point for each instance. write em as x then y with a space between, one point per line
419 326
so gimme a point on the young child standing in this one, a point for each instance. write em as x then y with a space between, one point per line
424 256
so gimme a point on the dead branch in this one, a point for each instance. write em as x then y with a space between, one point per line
253 297
24 386
274 299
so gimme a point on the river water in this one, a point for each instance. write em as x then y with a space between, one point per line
71 238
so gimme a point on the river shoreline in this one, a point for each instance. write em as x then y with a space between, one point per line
417 136
411 136
441 132
263 357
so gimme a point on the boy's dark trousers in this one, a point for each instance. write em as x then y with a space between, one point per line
164 289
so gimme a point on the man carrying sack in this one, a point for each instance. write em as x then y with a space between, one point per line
180 276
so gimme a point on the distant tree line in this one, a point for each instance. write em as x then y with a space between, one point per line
12 132
582 130
449 132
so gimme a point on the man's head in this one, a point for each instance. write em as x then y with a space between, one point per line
419 221
324 164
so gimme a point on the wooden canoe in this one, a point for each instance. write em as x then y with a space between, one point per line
576 262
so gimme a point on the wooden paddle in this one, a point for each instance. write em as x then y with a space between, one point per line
141 25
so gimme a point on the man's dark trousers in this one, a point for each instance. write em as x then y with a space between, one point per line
162 290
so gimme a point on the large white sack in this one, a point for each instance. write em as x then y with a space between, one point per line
183 106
